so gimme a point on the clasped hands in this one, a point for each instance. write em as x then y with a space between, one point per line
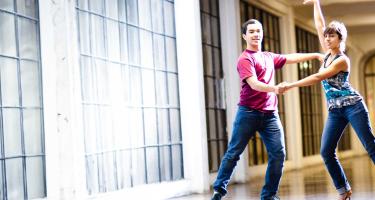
282 87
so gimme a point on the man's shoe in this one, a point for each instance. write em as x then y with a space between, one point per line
216 196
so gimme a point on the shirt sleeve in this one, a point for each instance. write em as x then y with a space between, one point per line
246 69
278 60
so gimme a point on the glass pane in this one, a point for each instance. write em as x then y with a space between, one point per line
7 35
102 80
175 126
83 4
12 132
148 87
151 134
207 60
28 39
211 119
109 180
370 66
136 130
159 52
84 31
144 14
161 89
31 94
206 29
123 169
205 6
9 82
124 43
209 92
163 126
215 32
32 131
157 16
134 49
173 90
97 6
214 8
90 123
27 7
113 39
177 162
139 171
169 18
97 36
35 177
7 5
135 87
112 8
132 11
92 179
105 132
14 176
122 10
171 54
165 163
146 49
152 160
214 161
87 79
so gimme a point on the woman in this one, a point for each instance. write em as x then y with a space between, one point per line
345 104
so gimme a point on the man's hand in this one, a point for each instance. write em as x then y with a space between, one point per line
283 87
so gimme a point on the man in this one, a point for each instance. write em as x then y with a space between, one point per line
257 110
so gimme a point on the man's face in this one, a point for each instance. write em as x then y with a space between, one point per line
254 34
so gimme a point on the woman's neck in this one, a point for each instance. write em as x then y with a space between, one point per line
335 52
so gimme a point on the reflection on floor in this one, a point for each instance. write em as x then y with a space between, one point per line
311 183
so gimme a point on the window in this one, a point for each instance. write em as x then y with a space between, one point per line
130 96
22 155
271 42
214 83
310 97
370 89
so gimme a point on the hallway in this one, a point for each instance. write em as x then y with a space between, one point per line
311 183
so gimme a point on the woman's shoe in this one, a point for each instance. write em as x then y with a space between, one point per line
346 196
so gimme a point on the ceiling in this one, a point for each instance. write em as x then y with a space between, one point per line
357 15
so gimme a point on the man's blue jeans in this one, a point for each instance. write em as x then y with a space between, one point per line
338 118
268 125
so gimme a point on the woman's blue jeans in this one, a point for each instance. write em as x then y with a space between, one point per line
268 125
338 118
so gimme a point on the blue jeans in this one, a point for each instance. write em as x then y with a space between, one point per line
338 118
247 122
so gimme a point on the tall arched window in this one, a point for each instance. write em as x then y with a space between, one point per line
130 96
370 88
22 155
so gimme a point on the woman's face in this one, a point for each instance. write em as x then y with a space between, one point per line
332 40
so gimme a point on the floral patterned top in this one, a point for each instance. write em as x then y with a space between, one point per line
338 90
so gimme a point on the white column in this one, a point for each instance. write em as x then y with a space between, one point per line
65 160
293 127
230 29
192 98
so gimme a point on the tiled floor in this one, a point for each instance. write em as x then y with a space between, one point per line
311 183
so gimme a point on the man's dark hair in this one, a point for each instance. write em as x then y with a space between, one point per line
250 21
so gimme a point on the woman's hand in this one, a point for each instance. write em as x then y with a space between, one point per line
310 1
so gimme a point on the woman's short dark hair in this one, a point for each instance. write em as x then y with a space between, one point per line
338 28
250 21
